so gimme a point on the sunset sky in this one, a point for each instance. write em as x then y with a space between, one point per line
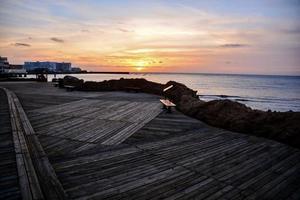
215 36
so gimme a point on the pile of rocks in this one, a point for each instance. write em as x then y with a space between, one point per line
72 81
123 84
281 126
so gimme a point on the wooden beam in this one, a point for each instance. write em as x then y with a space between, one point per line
37 176
29 184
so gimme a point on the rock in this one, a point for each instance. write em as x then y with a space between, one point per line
178 91
123 84
189 105
95 86
73 81
280 126
224 114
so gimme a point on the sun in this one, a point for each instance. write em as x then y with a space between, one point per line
139 68
143 63
139 65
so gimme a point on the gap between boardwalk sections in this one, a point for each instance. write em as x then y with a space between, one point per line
37 177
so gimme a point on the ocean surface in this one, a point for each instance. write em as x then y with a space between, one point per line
263 92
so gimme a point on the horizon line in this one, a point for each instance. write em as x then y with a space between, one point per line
207 73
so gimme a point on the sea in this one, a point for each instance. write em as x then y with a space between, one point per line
263 92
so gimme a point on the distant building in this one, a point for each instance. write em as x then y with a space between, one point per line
8 69
63 67
4 64
16 69
31 66
49 66
75 69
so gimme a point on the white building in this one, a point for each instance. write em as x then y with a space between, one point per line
50 66
30 66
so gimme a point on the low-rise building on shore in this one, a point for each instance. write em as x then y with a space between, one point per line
76 69
7 69
48 66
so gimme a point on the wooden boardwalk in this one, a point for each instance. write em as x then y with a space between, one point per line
102 121
9 181
114 145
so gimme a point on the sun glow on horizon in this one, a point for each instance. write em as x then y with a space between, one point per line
139 68
139 64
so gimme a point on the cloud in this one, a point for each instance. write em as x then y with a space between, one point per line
125 30
293 30
233 45
57 40
21 44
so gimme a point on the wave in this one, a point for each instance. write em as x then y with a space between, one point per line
261 103
244 98
220 95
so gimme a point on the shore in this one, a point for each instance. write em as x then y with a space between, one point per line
116 144
227 114
258 92
280 126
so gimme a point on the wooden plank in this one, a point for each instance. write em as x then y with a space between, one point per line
9 180
127 112
37 165
29 184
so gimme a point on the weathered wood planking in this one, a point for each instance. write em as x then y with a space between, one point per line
94 121
36 175
29 184
171 157
196 165
9 179
212 164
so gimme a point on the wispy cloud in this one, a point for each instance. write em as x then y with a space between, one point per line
234 45
21 44
125 30
292 30
57 40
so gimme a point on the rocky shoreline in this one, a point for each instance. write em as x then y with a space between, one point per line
280 126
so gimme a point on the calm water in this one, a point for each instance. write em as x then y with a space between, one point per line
280 93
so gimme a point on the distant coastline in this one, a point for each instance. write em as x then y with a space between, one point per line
165 73
216 74
83 72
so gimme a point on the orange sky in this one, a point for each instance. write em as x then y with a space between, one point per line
161 36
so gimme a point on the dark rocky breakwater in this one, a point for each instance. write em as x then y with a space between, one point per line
280 126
